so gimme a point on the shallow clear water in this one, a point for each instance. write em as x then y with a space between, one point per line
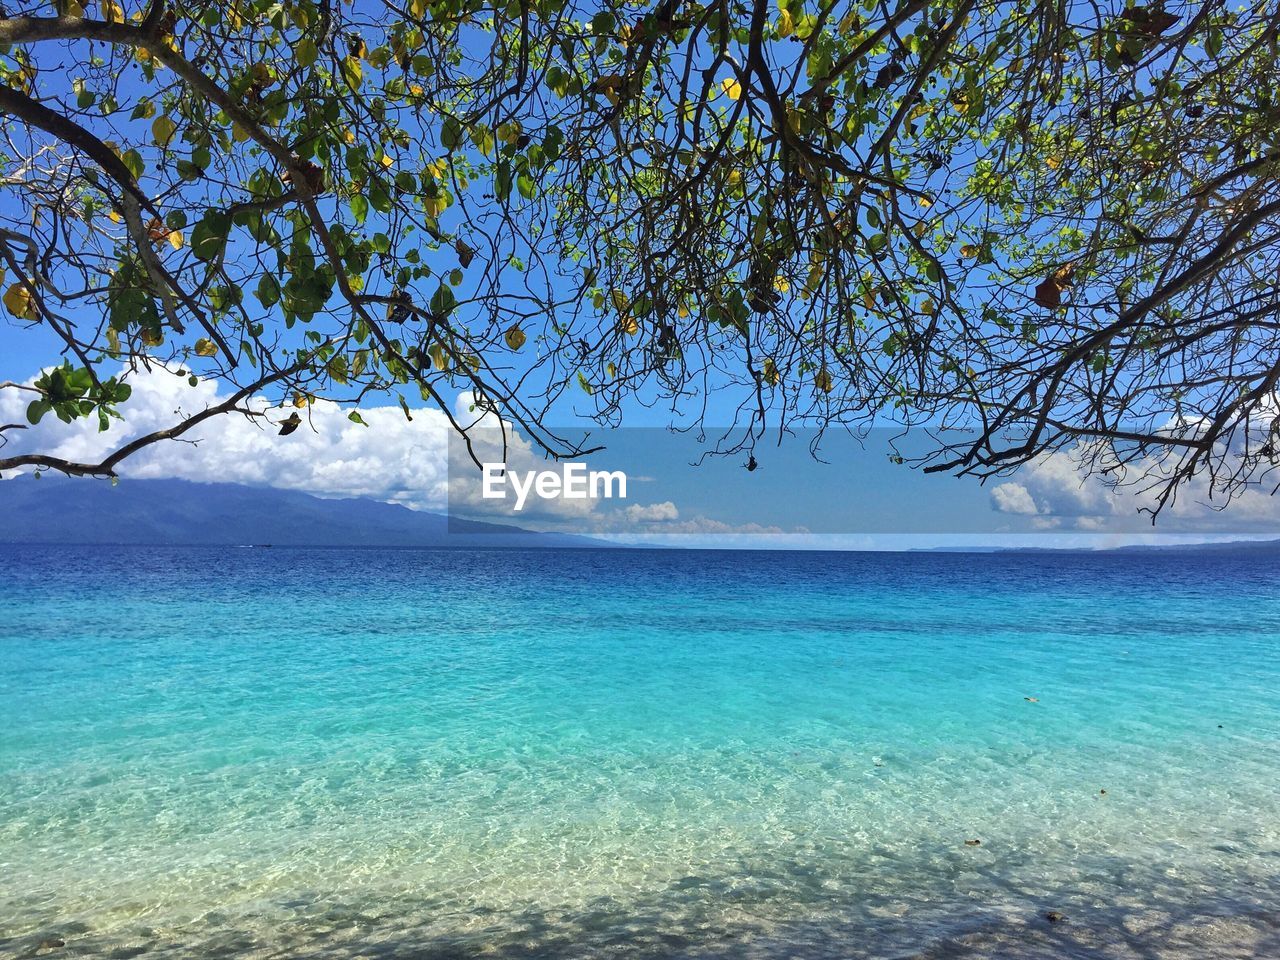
413 753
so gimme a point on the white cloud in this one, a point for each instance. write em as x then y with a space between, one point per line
1013 498
391 459
1059 494
653 513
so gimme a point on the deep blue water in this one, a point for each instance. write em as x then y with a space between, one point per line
222 752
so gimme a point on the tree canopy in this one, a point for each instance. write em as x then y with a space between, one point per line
1020 227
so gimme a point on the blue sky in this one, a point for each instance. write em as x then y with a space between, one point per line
851 495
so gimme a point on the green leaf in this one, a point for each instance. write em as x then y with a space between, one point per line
337 368
268 290
354 417
210 235
306 53
37 409
133 163
443 301
451 133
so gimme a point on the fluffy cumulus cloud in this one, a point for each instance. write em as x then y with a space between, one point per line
1014 498
1057 494
653 513
392 459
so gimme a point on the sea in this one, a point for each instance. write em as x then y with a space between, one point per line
278 753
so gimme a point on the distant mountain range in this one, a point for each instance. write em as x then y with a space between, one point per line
1213 546
178 512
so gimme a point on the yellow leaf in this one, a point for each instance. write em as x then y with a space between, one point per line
732 88
114 216
352 71
18 301
515 337
437 355
482 137
793 120
176 239
387 162
162 130
509 133
969 251
238 133
619 300
786 26
1053 162
112 12
771 374
206 347
822 380
435 205
417 8
628 325
682 312
72 8
301 400
152 338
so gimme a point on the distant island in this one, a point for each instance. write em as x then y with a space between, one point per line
58 510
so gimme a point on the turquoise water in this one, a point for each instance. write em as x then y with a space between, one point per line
277 753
